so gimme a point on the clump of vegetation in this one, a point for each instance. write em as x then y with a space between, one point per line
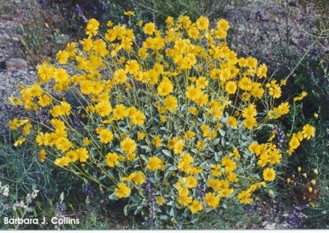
176 109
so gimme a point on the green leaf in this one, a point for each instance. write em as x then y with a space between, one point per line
172 212
166 152
164 217
222 132
138 209
126 210
113 197
146 148
88 128
216 142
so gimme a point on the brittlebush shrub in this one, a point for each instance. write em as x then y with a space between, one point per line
177 124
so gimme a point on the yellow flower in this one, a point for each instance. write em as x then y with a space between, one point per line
163 119
216 170
82 154
120 76
200 145
131 156
195 206
245 197
222 24
184 200
139 178
250 111
301 96
92 27
189 135
44 100
42 139
62 57
232 122
249 123
19 141
193 110
294 143
27 129
149 28
99 47
155 163
229 164
122 190
140 135
170 103
193 93
129 13
191 182
62 162
42 156
193 32
283 108
169 21
103 108
245 84
269 174
120 112
202 23
157 141
136 116
275 92
178 146
212 199
59 110
105 135
230 87
261 71
112 159
308 131
132 67
202 82
15 123
86 141
15 101
160 200
184 163
128 145
165 87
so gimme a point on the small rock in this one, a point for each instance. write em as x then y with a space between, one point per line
270 226
295 41
5 36
2 65
293 3
16 63
16 39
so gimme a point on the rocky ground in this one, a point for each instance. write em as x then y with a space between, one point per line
14 68
274 31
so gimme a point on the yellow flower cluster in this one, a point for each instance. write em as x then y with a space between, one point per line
181 109
307 133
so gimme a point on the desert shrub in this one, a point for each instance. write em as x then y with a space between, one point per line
177 124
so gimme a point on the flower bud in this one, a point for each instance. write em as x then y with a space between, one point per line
310 189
